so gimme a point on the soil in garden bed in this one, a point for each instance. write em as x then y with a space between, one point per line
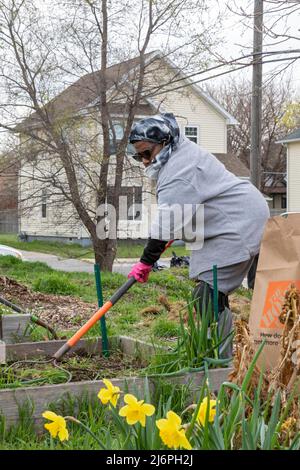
77 368
59 311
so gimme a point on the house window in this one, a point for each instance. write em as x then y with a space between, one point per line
115 136
130 202
283 202
44 204
135 207
191 132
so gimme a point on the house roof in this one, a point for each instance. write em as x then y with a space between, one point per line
293 137
85 93
275 184
275 190
205 96
233 164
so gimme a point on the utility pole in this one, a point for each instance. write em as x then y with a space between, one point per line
256 102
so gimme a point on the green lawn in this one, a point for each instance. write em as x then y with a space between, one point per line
125 316
126 249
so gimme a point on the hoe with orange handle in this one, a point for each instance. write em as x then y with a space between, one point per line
102 311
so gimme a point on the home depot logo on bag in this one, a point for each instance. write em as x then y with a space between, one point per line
278 268
273 304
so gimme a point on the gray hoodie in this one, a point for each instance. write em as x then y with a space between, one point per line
235 212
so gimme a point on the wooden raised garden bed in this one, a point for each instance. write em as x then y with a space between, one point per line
40 396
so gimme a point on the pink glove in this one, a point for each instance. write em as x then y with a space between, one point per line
140 271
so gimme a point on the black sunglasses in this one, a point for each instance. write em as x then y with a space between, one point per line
146 155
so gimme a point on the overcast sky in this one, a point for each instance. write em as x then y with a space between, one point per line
238 34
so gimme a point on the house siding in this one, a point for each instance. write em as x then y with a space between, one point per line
60 219
195 112
293 171
191 109
9 199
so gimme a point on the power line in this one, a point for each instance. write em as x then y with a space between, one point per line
195 82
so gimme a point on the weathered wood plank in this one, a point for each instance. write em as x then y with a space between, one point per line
2 352
19 351
41 397
129 346
216 377
14 326
137 348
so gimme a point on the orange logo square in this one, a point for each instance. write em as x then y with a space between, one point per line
274 302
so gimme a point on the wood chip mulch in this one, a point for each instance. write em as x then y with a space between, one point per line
59 311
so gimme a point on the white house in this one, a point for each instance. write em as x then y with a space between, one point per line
200 117
292 142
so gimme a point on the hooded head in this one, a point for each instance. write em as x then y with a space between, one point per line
154 139
160 129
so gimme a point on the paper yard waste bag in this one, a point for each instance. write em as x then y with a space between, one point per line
278 268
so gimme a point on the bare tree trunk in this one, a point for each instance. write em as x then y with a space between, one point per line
104 253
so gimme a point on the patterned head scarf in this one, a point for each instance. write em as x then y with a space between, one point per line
160 129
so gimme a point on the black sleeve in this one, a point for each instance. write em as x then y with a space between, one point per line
152 251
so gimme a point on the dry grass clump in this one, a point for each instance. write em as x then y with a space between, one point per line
174 309
243 356
151 310
288 370
240 307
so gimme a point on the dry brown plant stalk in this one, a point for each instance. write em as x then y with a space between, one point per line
288 370
244 352
284 377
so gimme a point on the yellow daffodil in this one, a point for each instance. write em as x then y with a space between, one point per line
136 411
172 433
203 410
110 394
58 425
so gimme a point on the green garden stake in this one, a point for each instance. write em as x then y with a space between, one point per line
215 281
216 303
105 349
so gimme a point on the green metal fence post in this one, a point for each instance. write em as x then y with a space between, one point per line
105 349
216 296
